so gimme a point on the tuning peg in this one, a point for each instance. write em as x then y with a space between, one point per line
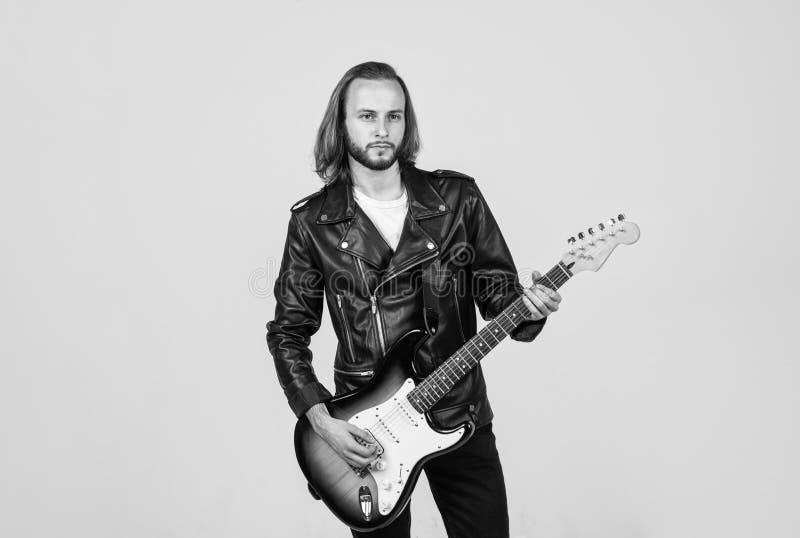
601 226
571 240
611 222
620 217
591 231
580 235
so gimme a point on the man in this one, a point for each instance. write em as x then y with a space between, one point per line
361 243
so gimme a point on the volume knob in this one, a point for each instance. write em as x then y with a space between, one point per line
380 465
385 484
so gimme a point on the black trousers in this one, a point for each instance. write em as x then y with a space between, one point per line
470 492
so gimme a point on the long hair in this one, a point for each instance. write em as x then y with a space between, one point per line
330 150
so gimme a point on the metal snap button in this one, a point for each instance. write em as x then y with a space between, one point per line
344 244
442 207
323 217
430 246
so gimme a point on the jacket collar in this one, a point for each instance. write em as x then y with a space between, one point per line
362 239
423 200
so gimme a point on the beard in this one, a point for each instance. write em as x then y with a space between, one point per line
361 155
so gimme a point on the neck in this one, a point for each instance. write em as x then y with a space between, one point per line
377 184
425 395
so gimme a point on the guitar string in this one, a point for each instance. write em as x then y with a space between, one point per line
429 384
507 323
398 412
447 368
394 416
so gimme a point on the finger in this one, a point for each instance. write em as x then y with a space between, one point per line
356 460
355 447
358 449
371 447
536 297
358 432
536 275
551 293
535 315
535 305
548 301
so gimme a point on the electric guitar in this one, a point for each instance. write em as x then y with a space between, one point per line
392 407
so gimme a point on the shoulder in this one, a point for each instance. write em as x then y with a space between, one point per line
450 183
451 174
305 203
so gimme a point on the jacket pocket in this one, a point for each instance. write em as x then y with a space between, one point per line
346 328
354 373
350 380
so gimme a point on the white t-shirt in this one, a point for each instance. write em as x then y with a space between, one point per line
388 216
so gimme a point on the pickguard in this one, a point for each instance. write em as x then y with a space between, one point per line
405 438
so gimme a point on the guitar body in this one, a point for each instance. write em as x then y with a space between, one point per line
371 498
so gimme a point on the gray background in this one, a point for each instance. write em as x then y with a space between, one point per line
149 153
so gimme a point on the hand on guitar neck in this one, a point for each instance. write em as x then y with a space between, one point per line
342 436
540 300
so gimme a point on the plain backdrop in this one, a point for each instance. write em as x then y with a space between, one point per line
149 154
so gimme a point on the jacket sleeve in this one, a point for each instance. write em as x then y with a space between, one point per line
495 283
299 294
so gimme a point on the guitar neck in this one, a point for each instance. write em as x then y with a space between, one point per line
425 395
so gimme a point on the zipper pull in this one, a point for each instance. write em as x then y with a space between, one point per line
374 303
339 300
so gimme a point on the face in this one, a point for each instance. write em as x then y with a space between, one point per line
374 121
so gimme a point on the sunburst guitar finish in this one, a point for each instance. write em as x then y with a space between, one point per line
369 498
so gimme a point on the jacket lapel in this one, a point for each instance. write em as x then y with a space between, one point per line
416 244
361 238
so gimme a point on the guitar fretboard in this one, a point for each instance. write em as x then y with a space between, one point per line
425 395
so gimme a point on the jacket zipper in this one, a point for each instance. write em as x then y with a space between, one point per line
378 323
414 263
373 306
362 373
346 327
373 295
458 310
374 300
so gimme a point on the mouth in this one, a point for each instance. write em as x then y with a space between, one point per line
380 145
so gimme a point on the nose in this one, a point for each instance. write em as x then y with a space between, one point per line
381 128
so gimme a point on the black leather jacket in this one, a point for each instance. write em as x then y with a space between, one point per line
374 295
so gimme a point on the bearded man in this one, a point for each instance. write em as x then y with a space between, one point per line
360 245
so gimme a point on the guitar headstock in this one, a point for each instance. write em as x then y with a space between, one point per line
592 248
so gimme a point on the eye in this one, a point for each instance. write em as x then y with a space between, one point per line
395 117
367 116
